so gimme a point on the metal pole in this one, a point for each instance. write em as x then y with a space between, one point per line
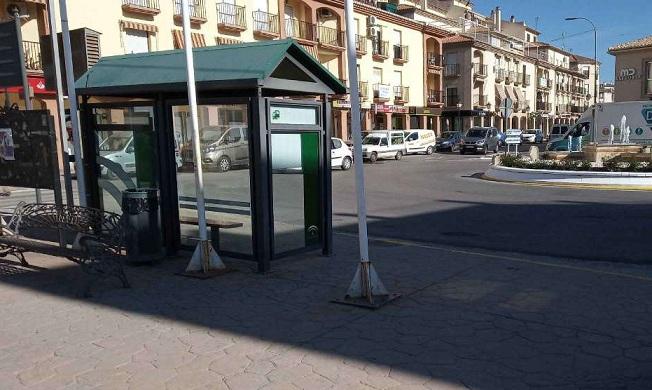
72 99
28 100
366 285
204 258
67 181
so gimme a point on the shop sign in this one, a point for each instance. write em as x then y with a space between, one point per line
389 109
365 106
293 115
628 74
37 85
414 110
384 91
341 104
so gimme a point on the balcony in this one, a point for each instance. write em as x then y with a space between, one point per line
265 24
452 100
480 100
519 78
300 30
231 17
563 109
197 11
409 4
360 44
544 83
33 59
435 98
331 38
543 106
452 70
381 92
501 74
143 7
527 80
524 105
480 71
435 61
363 89
401 94
380 49
400 54
578 109
510 77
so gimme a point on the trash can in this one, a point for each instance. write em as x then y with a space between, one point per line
140 207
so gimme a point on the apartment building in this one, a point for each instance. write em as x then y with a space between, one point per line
633 70
399 59
607 93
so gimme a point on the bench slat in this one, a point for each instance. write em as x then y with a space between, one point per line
45 248
212 222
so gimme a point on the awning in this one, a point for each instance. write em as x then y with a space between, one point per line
312 50
126 24
510 93
520 95
197 39
500 92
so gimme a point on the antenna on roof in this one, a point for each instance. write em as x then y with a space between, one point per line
536 23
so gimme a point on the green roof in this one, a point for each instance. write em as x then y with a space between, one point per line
216 67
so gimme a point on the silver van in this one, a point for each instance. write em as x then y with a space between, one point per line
225 148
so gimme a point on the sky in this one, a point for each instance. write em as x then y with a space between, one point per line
617 21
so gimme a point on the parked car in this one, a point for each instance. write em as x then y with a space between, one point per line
529 136
502 136
480 139
420 141
341 155
383 144
449 140
225 148
558 131
119 148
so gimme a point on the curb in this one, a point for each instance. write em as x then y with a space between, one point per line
605 187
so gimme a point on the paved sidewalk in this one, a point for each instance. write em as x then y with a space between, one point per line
466 320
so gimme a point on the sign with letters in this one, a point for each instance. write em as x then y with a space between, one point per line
628 74
293 115
513 137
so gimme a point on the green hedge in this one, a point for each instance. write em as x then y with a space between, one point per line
616 164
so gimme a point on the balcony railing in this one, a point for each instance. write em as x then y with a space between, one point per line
231 16
33 60
435 60
527 80
197 10
331 37
480 70
543 106
379 88
452 70
435 97
452 100
544 83
265 24
401 94
380 49
146 7
519 78
578 109
501 74
400 53
360 44
563 109
363 88
480 100
295 28
510 77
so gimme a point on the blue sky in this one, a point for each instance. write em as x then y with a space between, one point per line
617 21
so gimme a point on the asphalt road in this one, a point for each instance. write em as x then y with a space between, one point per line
440 199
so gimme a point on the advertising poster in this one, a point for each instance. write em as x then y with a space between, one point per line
7 145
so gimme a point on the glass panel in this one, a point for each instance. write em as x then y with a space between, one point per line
127 157
295 182
224 138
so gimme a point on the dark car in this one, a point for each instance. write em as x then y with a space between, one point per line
449 140
480 139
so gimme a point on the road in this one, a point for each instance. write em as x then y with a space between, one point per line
440 199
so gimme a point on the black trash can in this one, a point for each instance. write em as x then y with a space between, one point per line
140 207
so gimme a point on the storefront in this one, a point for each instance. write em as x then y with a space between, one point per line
389 117
264 158
425 118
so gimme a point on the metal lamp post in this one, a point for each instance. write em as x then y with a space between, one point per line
459 116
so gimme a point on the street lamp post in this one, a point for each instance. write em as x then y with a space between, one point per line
595 61
459 116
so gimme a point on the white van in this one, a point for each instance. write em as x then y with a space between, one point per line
119 148
383 144
558 131
420 141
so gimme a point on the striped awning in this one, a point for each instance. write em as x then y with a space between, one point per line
227 41
44 2
312 50
197 39
126 24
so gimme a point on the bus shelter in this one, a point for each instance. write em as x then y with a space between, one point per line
265 142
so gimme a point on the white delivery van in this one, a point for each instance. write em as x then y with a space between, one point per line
383 144
420 141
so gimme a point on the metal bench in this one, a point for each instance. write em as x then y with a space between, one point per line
89 237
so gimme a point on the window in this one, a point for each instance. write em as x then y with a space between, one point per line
336 144
451 97
136 41
412 137
648 77
398 38
397 139
383 142
398 78
378 76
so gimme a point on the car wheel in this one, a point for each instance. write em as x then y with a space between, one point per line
430 150
399 155
373 158
462 151
346 163
224 164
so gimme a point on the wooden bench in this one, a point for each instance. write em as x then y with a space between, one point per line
89 237
214 223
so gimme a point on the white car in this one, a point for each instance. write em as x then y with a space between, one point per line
383 144
118 148
341 155
420 141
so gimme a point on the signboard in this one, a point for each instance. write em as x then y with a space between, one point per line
513 137
37 84
12 67
389 109
384 91
628 74
293 115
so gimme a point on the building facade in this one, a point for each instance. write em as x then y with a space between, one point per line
633 70
607 93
